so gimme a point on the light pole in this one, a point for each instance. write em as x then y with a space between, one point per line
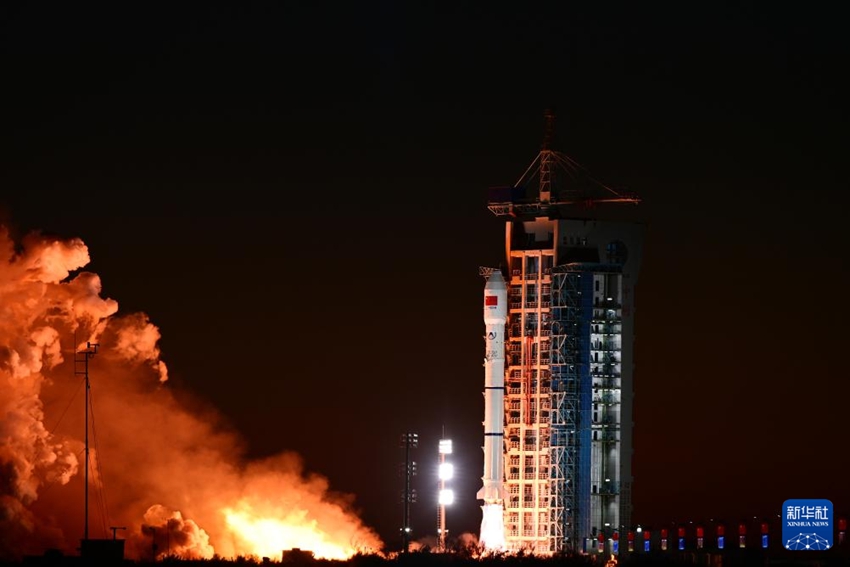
446 495
82 358
408 441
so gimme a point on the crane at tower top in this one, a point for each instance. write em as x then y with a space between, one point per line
553 181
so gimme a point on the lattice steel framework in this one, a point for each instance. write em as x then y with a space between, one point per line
570 427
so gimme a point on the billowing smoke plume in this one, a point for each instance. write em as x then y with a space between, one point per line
174 477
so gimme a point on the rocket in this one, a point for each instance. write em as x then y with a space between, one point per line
495 317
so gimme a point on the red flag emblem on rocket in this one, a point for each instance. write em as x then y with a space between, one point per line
491 300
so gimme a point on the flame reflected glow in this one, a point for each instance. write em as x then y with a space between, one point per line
268 537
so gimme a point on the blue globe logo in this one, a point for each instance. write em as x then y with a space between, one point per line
807 541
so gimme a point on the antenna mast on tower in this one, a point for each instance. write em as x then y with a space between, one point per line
552 183
546 156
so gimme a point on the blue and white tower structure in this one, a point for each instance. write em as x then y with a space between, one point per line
492 536
568 388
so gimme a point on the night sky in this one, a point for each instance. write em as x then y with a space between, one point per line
295 193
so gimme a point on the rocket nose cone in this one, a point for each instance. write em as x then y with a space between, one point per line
495 281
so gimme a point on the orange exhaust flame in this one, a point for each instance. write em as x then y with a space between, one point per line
170 472
492 528
269 536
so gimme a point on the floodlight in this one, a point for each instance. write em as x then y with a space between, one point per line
447 496
446 471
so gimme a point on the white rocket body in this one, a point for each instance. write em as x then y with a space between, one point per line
495 319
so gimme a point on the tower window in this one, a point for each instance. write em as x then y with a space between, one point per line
616 252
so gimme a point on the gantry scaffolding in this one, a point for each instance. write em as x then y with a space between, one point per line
570 442
569 357
528 402
585 421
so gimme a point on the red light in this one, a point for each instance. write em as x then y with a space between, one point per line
681 532
663 533
616 536
700 531
601 537
630 536
842 524
646 535
764 527
721 530
742 529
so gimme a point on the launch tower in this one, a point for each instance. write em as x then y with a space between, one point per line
569 362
